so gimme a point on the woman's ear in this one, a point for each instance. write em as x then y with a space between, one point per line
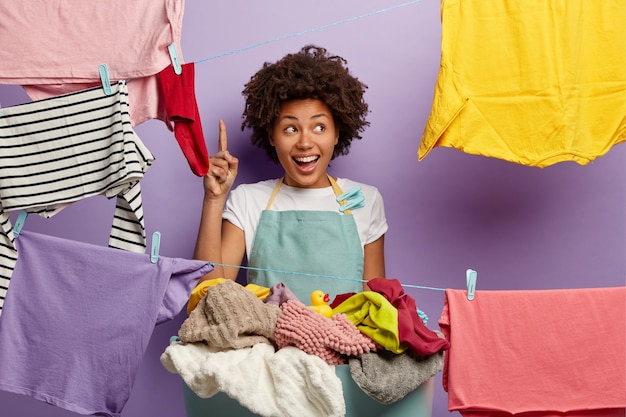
271 139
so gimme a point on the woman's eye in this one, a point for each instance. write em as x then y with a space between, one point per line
319 128
290 129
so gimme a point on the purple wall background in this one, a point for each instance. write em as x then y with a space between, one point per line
519 227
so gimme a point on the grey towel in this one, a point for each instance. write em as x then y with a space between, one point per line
388 377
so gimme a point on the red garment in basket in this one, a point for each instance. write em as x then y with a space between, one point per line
540 353
412 332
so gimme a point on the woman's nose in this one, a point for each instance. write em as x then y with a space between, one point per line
304 140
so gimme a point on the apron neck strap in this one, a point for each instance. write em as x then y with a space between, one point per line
336 188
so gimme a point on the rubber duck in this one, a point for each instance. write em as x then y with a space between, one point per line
319 302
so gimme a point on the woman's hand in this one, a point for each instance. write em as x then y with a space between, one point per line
223 169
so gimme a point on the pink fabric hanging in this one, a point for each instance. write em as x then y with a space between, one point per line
542 353
67 41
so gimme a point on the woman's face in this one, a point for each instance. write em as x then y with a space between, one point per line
304 136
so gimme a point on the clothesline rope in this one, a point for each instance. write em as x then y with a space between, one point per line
305 32
420 287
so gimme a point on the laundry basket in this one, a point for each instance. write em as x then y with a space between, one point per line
417 403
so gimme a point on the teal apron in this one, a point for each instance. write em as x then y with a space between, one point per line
305 249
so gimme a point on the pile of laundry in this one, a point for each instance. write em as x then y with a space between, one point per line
276 356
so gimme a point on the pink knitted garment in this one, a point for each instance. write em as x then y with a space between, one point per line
328 338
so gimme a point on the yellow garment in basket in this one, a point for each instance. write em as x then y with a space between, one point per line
375 317
533 83
200 291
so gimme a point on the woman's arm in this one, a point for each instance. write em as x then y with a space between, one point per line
374 260
219 241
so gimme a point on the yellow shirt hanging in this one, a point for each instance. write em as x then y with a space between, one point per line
531 82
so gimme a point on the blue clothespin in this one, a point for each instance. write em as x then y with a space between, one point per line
178 69
354 199
104 77
423 316
19 223
470 276
156 244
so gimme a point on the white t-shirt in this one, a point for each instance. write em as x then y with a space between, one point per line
246 202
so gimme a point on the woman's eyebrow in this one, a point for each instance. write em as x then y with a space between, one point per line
313 117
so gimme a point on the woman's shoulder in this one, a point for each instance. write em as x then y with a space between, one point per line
347 184
260 187
248 200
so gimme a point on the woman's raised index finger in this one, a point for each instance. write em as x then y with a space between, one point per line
223 142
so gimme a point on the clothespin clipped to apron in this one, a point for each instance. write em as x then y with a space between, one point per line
351 199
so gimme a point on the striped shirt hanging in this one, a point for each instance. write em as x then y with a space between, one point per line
60 150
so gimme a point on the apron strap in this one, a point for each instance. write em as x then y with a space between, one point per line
338 192
274 193
336 188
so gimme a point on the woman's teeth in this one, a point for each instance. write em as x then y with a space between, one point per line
305 159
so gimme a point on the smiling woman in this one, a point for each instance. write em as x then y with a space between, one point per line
304 110
304 137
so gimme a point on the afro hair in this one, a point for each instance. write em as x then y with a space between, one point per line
312 73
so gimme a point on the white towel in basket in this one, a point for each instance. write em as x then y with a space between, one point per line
287 382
